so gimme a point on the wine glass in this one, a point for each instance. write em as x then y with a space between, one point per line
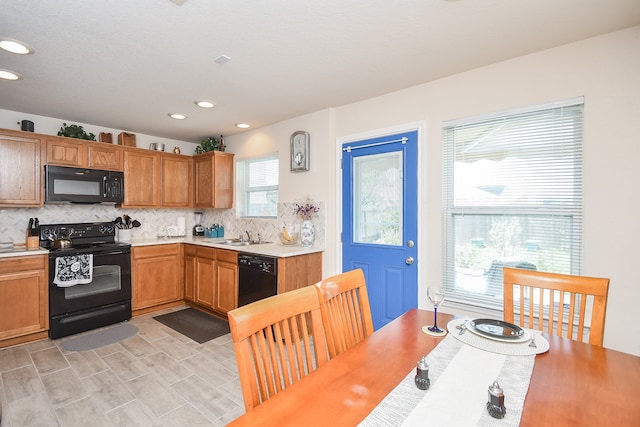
436 297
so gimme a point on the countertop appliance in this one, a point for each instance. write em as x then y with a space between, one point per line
198 229
257 277
102 295
76 185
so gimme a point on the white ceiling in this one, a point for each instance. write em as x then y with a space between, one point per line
126 64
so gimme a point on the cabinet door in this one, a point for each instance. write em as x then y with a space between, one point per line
176 180
20 170
157 275
299 271
213 180
227 277
206 277
203 181
189 272
223 180
24 297
141 178
105 156
67 152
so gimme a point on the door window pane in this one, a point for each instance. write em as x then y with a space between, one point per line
377 202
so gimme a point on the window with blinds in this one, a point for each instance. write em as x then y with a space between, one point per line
512 196
257 187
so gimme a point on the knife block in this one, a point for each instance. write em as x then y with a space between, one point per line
33 242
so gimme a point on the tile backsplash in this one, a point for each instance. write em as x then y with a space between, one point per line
14 221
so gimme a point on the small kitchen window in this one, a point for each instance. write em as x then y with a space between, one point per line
257 187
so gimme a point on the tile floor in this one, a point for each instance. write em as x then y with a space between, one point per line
158 377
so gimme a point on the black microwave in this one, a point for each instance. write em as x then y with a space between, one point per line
78 185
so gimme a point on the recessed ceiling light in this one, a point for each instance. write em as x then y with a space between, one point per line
243 125
205 104
9 75
177 116
15 46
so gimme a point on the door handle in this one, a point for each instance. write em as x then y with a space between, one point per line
409 260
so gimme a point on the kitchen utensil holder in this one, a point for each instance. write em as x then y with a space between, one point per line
33 242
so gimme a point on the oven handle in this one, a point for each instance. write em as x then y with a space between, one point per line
114 252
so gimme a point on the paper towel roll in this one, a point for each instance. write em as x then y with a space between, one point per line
182 228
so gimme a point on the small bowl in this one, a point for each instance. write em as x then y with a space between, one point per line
295 239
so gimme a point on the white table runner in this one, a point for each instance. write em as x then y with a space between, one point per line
460 377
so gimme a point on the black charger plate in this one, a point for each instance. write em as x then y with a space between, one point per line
493 328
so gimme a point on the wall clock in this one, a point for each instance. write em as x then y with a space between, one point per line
300 151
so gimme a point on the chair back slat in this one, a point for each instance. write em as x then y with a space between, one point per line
559 301
346 312
278 341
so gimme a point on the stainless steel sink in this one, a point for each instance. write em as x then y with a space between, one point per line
238 242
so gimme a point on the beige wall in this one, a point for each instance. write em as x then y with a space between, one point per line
605 70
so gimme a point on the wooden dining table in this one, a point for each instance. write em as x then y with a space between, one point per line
573 384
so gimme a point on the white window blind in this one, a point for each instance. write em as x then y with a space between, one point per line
257 186
512 196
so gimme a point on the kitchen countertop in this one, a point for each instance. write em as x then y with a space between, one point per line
22 251
269 249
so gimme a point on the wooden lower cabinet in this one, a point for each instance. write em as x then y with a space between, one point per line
208 277
205 286
24 297
227 280
157 275
299 271
200 276
190 272
211 277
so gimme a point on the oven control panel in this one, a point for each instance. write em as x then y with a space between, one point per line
79 232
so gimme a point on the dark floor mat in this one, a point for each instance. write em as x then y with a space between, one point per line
200 327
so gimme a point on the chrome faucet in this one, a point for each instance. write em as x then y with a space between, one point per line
248 234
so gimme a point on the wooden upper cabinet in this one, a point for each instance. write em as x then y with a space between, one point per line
67 152
105 156
213 182
141 178
176 177
21 165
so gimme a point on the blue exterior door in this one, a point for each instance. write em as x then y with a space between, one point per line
379 202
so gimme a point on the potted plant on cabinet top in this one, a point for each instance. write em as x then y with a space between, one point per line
210 143
75 131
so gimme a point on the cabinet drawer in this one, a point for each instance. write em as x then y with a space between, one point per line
26 263
227 256
155 251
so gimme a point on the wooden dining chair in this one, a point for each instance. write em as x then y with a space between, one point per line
346 312
278 341
558 301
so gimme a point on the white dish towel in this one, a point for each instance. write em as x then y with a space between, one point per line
73 270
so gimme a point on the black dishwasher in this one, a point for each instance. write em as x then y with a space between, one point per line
257 277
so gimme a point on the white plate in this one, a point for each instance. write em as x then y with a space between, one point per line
523 338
